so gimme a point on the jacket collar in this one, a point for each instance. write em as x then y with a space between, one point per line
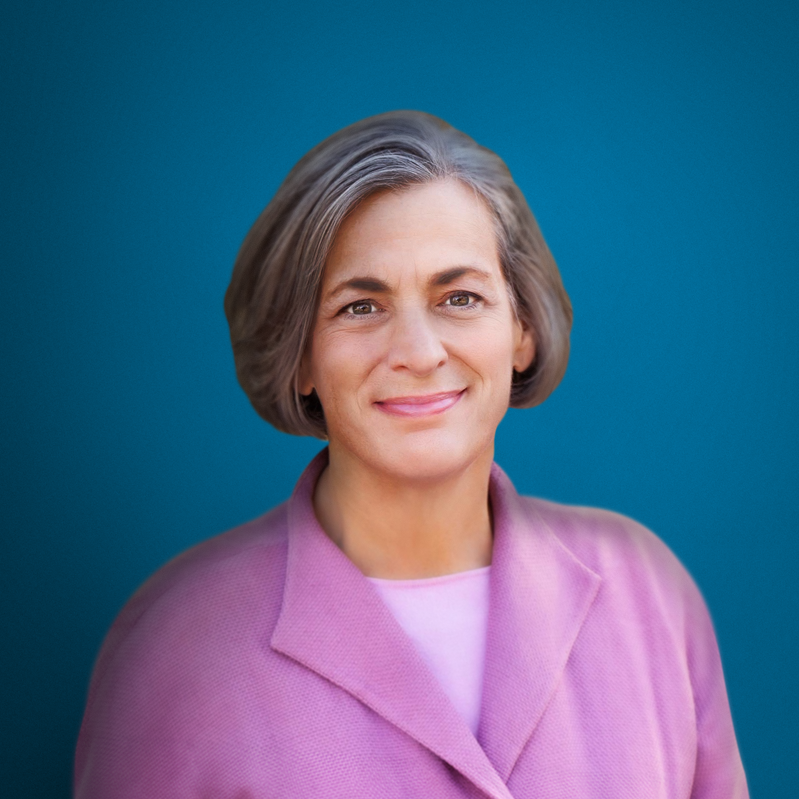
334 622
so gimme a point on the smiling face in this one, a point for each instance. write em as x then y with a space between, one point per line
415 340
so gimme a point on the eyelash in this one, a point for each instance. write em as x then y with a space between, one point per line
476 299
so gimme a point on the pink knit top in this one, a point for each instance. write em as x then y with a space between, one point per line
446 618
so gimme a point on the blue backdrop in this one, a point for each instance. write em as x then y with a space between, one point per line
656 143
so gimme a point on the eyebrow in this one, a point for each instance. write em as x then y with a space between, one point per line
443 278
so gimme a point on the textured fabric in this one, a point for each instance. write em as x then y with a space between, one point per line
263 665
446 618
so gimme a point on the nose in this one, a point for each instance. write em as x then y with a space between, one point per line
415 344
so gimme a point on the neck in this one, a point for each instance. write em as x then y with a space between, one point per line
404 529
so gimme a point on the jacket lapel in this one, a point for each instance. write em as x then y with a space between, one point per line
334 622
540 595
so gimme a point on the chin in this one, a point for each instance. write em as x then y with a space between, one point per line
429 457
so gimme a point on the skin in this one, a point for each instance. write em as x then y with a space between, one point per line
412 355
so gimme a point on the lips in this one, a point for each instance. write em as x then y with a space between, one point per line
423 405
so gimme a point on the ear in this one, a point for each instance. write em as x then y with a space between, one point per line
525 347
304 382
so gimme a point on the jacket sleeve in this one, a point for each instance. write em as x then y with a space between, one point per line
135 741
719 771
156 701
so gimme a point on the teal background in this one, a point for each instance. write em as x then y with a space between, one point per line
657 145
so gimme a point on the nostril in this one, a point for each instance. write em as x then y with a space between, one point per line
415 343
417 350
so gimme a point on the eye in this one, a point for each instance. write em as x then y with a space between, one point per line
360 308
462 299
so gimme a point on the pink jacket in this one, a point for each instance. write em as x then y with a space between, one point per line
262 665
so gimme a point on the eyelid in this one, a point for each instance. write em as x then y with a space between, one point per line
459 293
345 309
476 298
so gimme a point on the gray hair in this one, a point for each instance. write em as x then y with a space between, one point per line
273 294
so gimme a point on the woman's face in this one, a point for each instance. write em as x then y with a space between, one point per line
415 340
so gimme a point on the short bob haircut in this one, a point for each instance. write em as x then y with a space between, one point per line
274 291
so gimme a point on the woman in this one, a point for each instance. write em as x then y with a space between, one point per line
407 625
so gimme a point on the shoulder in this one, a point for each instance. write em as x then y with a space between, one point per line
635 564
188 598
165 676
596 534
650 624
646 595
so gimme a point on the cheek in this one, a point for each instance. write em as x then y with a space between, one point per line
490 350
341 365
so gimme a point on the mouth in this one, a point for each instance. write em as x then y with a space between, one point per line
424 405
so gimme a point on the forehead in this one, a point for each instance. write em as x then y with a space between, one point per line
424 228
